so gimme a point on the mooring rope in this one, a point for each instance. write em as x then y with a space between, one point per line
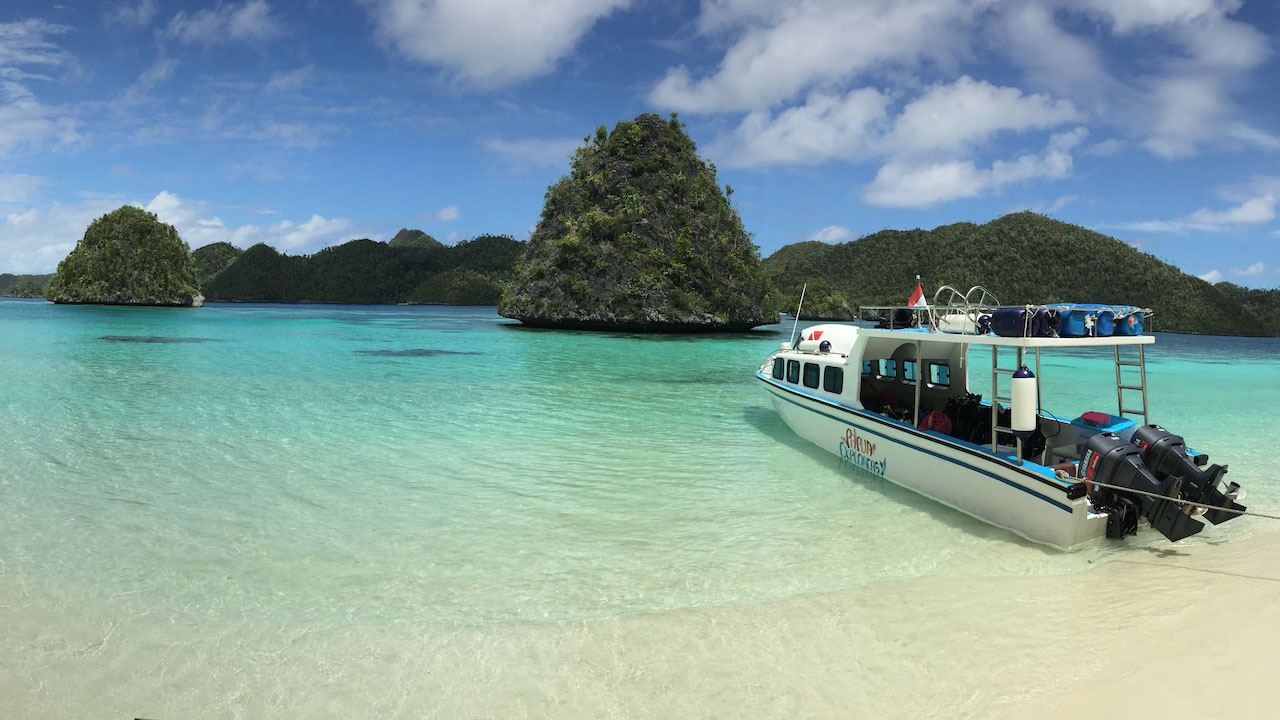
1183 502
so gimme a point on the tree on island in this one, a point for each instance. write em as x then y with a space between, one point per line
213 259
639 237
127 257
414 238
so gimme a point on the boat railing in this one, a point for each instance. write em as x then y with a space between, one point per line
969 313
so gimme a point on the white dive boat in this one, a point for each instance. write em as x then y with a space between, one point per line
894 401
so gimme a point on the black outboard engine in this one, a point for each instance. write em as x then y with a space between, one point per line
1165 456
1108 459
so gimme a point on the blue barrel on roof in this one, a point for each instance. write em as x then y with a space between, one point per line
1129 320
1088 320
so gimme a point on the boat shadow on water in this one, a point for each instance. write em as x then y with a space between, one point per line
767 422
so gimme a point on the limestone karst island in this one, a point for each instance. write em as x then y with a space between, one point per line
639 237
128 257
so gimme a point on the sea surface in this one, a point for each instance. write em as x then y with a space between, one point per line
250 510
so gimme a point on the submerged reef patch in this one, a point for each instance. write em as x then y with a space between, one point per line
155 339
414 352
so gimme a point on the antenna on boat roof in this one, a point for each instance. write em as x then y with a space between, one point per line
797 322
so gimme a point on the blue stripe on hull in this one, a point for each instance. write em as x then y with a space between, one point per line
949 459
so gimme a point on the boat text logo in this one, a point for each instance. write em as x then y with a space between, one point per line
860 452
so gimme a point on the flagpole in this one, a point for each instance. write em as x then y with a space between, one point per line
797 322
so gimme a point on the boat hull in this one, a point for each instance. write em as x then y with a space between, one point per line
1023 498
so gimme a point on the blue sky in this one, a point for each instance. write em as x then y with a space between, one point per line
306 124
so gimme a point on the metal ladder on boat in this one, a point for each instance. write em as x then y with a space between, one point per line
1121 386
997 398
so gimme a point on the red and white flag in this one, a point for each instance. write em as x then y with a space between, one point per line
917 298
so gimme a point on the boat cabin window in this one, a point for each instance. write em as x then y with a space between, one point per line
939 375
833 380
909 371
779 368
886 368
793 371
866 367
811 371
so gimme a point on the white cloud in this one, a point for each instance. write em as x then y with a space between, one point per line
28 53
132 15
1161 72
26 43
948 119
1110 146
448 213
1061 203
532 152
263 171
198 226
1187 107
1187 104
289 80
1253 211
1252 136
1133 15
787 48
903 184
1213 276
831 234
36 239
1255 204
489 43
1067 64
952 117
1253 270
249 22
156 73
824 128
19 187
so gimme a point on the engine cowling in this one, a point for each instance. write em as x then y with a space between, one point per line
1165 455
1109 459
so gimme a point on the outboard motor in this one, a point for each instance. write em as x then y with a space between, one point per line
1165 455
1110 460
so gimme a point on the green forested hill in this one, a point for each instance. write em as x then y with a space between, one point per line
639 237
127 257
471 272
23 285
414 238
213 259
1021 258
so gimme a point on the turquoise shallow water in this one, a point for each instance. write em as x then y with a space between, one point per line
339 470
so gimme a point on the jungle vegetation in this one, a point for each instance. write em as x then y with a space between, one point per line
417 270
639 236
127 257
1021 258
24 286
213 259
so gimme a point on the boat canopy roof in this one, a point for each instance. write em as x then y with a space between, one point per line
972 319
907 334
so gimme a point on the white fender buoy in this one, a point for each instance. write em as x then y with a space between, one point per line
1023 396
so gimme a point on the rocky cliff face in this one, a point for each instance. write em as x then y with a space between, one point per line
639 237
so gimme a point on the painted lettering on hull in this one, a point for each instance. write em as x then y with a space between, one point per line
860 452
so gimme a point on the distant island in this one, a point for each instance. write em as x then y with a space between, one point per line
639 237
127 257
24 286
1021 258
413 268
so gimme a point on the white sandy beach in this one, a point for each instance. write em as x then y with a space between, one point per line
1179 631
